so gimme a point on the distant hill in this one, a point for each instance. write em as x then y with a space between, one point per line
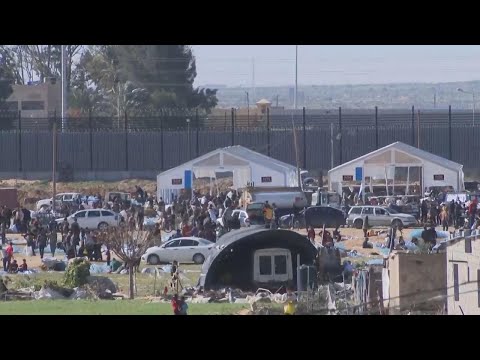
385 96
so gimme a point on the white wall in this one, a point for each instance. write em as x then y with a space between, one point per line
451 177
164 180
468 267
258 171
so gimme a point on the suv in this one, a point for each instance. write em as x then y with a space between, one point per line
379 216
93 219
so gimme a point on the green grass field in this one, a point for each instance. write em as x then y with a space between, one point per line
110 307
146 284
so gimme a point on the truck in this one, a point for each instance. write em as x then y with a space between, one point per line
284 198
326 198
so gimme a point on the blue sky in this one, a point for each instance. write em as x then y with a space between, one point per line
335 64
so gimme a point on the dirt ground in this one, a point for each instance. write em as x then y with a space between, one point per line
30 191
354 239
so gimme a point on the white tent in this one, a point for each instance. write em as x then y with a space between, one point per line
246 165
400 165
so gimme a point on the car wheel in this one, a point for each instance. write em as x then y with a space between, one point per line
358 224
153 260
198 258
102 226
397 224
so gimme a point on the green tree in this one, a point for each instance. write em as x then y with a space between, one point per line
167 73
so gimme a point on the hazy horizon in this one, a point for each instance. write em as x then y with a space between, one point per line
232 65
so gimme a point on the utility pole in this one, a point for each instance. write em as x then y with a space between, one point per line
331 146
118 104
296 78
253 79
64 86
248 111
54 161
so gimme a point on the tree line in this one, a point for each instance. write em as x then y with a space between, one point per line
109 80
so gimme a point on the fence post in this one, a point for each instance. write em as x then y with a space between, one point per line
161 141
20 164
268 131
304 140
450 133
126 141
90 131
340 138
233 126
197 124
413 125
376 127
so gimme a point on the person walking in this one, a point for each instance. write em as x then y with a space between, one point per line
52 236
7 259
42 242
444 219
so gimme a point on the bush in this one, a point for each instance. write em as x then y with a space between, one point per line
77 273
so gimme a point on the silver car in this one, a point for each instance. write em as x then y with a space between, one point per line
378 216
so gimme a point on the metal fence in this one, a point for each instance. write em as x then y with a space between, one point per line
27 144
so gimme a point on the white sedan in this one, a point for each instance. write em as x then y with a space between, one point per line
183 250
93 219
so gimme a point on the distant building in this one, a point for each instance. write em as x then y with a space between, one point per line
252 117
36 100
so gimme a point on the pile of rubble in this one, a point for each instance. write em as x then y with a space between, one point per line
334 298
97 287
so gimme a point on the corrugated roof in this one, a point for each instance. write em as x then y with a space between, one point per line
425 155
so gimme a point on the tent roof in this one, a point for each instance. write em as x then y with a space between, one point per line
256 237
242 153
422 154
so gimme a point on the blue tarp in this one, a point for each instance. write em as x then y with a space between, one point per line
99 268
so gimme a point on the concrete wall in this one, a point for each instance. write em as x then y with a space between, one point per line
468 279
415 279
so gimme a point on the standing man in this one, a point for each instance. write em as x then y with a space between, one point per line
76 235
267 214
42 242
7 259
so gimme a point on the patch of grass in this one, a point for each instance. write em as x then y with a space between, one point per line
145 282
109 307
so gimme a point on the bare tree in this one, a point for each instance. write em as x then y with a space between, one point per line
129 246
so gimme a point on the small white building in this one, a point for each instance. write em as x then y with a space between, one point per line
247 166
463 275
400 166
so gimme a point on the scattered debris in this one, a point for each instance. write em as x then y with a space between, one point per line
47 293
103 287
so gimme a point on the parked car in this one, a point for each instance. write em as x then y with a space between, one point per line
93 219
242 216
124 197
316 216
59 199
183 250
379 216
